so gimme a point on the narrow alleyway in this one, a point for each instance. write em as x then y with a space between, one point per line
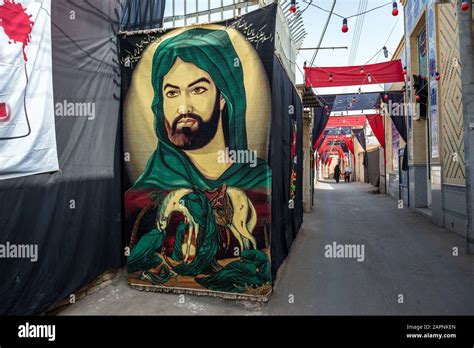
404 255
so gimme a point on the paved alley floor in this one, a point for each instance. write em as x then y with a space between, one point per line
408 268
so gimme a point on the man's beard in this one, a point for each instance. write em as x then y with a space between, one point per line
193 135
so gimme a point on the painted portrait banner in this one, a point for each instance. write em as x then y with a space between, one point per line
197 110
27 132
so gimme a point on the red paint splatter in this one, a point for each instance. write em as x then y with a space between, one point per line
16 23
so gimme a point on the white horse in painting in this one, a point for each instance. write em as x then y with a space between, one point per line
242 223
243 211
173 203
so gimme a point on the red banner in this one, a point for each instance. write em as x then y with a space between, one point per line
357 75
376 123
346 121
350 144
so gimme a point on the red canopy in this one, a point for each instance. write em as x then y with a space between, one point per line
376 123
346 121
387 72
350 144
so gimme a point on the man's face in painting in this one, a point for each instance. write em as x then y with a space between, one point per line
192 106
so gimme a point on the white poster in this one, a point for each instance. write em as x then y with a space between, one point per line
27 133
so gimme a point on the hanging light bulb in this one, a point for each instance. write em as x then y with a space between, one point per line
293 6
395 9
362 70
359 91
330 77
369 78
4 116
385 51
404 70
465 6
345 28
417 98
326 107
438 76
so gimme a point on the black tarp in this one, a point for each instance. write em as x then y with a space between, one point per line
75 244
286 222
360 135
373 167
398 118
321 117
364 101
420 86
142 14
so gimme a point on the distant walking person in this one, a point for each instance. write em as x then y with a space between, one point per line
348 173
337 173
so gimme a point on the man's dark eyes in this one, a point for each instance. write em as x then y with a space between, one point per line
172 94
198 90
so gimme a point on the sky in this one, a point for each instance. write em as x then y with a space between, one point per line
379 28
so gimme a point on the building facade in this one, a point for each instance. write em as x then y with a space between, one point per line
431 52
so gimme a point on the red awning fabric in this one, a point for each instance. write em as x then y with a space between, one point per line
388 72
350 144
346 121
318 142
376 123
330 160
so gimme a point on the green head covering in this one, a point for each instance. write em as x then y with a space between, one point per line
213 52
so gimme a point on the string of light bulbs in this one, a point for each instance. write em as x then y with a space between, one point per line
345 27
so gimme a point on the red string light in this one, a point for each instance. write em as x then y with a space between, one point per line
465 6
395 9
345 28
293 6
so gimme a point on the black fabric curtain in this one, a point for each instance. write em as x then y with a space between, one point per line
320 121
73 215
142 14
399 121
286 222
420 85
321 116
360 135
373 167
344 147
400 124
